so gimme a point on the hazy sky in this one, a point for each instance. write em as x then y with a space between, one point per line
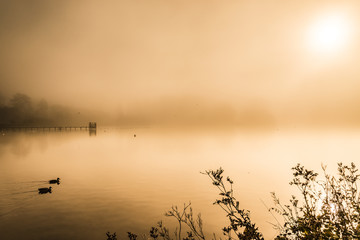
268 57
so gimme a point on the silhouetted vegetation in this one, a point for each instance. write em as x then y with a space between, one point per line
330 208
111 236
21 110
327 209
240 223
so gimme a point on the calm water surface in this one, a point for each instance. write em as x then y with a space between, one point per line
117 182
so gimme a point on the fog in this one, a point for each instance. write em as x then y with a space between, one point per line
22 110
211 63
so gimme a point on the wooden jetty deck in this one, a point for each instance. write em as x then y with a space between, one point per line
90 127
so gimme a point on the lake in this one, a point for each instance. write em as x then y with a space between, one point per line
118 182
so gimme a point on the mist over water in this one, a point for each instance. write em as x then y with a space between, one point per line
117 182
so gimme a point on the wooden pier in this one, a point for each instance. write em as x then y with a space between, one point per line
90 127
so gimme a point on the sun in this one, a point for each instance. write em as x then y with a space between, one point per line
329 33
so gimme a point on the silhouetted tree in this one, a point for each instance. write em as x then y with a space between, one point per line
21 102
2 101
20 109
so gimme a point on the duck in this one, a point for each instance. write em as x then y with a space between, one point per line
44 190
57 181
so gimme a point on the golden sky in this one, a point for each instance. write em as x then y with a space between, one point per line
273 59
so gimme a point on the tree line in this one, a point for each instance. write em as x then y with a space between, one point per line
22 110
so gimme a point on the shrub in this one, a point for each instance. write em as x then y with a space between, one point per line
239 219
329 209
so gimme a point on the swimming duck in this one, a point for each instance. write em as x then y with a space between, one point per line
44 190
55 181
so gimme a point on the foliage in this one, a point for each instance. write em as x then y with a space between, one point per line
240 222
185 218
330 208
22 110
111 236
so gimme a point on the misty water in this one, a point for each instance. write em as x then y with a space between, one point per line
118 182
